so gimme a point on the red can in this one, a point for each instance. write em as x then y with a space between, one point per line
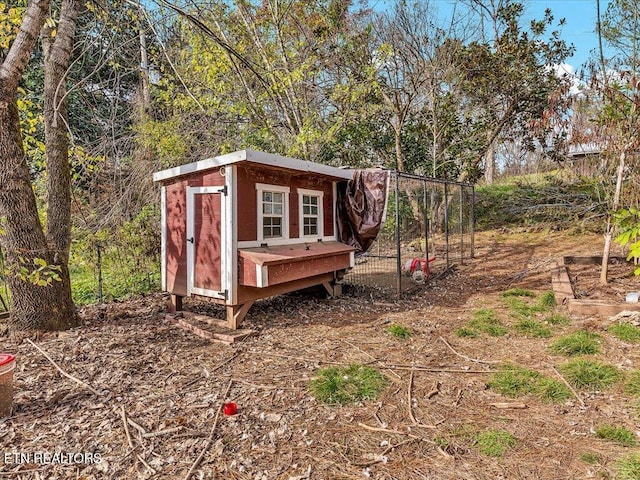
230 408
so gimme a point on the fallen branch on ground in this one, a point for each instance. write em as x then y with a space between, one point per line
65 374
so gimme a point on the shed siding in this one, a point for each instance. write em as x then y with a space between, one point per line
250 174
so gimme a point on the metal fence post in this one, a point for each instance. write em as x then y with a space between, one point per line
446 222
99 272
473 221
398 247
461 225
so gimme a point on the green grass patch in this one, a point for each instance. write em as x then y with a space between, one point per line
532 328
632 383
628 467
486 321
547 301
399 331
551 390
494 443
557 319
515 381
467 332
590 458
588 374
580 342
517 292
625 332
519 307
344 385
618 434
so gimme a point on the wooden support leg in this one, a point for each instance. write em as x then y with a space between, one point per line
236 313
333 289
176 304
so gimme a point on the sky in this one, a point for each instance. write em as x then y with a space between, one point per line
580 16
580 28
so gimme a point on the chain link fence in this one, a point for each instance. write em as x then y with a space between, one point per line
428 229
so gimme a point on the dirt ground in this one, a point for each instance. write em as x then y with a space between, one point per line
145 395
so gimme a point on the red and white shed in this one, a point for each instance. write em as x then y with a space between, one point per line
249 225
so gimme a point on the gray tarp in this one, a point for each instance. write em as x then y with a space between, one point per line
361 207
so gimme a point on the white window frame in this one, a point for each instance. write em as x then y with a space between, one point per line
260 189
313 193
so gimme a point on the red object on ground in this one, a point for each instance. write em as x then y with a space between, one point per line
230 408
423 263
6 358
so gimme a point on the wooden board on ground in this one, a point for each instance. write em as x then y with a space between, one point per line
209 328
563 290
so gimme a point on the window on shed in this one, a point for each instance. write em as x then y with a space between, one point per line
273 212
310 213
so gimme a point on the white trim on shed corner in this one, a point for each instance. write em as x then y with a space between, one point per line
231 240
256 157
163 238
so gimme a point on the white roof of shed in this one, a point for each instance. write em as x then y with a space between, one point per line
255 157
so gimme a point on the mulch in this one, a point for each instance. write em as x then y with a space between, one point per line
146 395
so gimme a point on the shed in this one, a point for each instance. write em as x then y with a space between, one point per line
249 225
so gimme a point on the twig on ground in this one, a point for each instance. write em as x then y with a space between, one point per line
386 366
218 367
380 458
507 405
519 275
575 394
384 430
377 417
140 429
211 433
148 467
65 374
19 472
410 400
458 398
475 360
435 389
372 358
123 415
159 433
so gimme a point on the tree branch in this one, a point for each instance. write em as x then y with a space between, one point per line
18 56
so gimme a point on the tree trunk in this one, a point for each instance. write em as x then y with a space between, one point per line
34 307
23 241
490 164
57 55
608 236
